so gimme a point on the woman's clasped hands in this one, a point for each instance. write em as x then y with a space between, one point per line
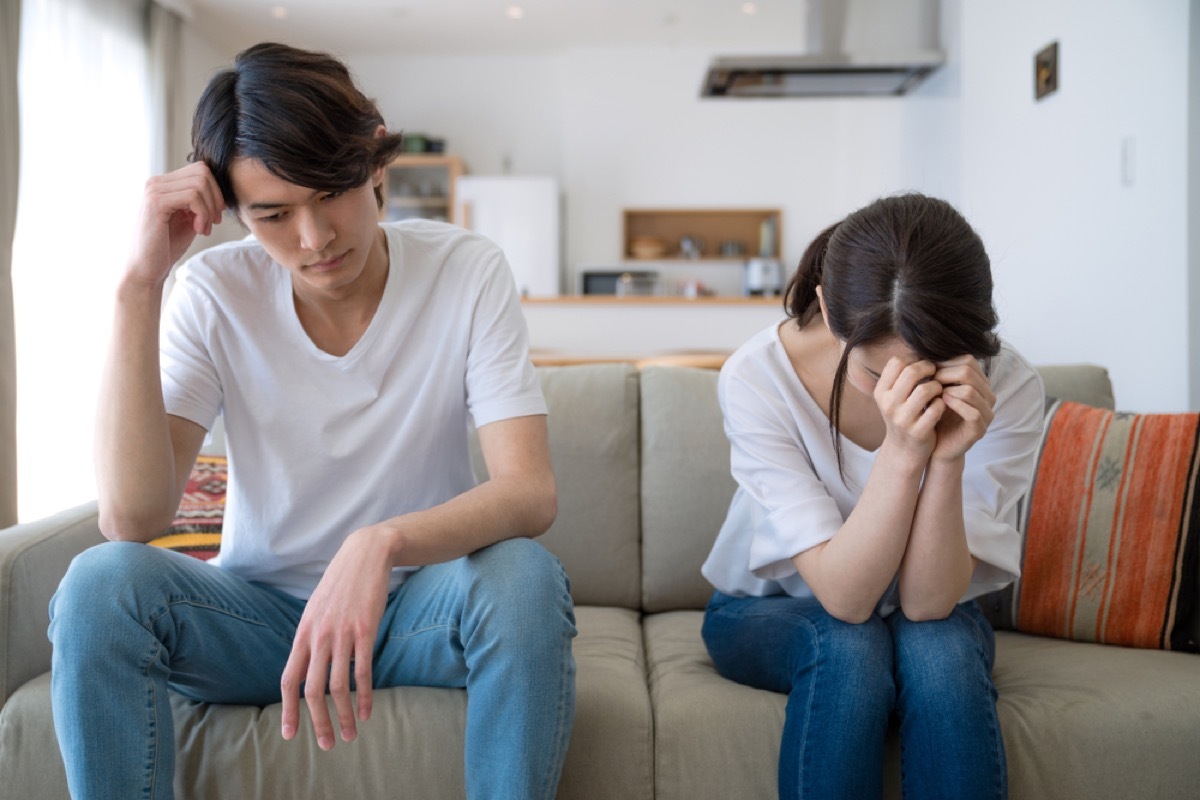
935 411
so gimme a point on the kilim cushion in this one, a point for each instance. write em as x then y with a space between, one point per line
1112 531
197 526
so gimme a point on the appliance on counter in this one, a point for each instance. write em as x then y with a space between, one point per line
520 213
619 282
762 277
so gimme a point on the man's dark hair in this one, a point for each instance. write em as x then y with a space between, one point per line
297 112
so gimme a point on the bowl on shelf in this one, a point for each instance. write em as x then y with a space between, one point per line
647 247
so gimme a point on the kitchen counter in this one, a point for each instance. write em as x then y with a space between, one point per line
611 327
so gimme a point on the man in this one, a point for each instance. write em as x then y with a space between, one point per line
346 357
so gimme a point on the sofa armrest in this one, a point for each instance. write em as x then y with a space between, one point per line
33 559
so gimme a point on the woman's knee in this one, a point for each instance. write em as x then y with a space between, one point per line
945 657
861 652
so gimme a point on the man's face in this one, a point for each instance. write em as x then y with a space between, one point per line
325 239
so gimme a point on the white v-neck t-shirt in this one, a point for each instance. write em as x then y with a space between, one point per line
322 445
790 496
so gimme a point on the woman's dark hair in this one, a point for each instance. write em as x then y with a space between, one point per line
297 112
907 266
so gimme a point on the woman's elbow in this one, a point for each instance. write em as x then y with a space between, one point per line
848 610
927 611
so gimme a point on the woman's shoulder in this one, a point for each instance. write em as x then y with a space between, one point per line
1010 369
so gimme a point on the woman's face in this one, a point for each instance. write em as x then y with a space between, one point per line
867 362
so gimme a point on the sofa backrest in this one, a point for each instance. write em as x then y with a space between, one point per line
686 485
593 425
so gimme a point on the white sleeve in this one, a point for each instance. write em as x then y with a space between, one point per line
999 472
771 464
190 384
501 382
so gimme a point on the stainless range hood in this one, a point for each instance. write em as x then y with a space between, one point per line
855 48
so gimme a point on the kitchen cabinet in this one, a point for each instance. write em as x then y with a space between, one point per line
421 186
702 234
624 328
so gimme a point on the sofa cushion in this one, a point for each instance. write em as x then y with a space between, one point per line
686 484
593 421
411 747
1112 531
1079 720
1082 383
197 526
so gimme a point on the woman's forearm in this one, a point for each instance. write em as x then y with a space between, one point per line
849 573
937 566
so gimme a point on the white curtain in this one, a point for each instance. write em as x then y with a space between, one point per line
10 147
86 151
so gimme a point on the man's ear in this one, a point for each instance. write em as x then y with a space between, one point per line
380 171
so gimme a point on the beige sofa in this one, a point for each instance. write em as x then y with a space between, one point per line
643 471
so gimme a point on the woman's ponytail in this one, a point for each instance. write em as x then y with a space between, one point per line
800 296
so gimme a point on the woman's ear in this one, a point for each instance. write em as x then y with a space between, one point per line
824 310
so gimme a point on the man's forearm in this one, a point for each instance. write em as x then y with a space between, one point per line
498 509
135 468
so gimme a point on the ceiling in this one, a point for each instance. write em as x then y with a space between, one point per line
485 27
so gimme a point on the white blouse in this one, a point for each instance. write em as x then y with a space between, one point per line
790 495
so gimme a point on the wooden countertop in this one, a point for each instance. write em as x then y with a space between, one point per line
652 300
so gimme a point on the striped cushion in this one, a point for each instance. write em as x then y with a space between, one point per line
1112 529
197 526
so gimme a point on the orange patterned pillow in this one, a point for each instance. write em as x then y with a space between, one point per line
197 526
1112 530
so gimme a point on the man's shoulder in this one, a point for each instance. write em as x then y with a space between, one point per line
242 265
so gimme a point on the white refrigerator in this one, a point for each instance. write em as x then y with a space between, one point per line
520 213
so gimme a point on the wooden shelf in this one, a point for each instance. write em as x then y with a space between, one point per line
714 226
421 186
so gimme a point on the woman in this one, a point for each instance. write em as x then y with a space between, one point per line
882 437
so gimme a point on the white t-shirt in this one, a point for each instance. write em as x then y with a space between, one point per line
321 445
790 496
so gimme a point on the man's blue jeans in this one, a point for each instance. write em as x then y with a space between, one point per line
130 621
844 681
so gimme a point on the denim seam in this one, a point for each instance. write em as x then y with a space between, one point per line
436 626
808 711
154 737
201 604
560 743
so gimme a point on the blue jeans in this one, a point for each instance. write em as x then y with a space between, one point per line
844 681
130 621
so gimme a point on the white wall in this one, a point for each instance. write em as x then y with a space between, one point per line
1087 269
1194 205
624 127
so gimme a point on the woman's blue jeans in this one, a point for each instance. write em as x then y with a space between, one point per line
130 621
843 682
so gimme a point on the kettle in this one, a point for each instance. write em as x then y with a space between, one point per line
762 277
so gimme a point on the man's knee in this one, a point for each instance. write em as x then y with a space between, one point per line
106 578
518 583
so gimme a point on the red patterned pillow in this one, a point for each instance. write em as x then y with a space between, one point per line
1112 530
197 526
